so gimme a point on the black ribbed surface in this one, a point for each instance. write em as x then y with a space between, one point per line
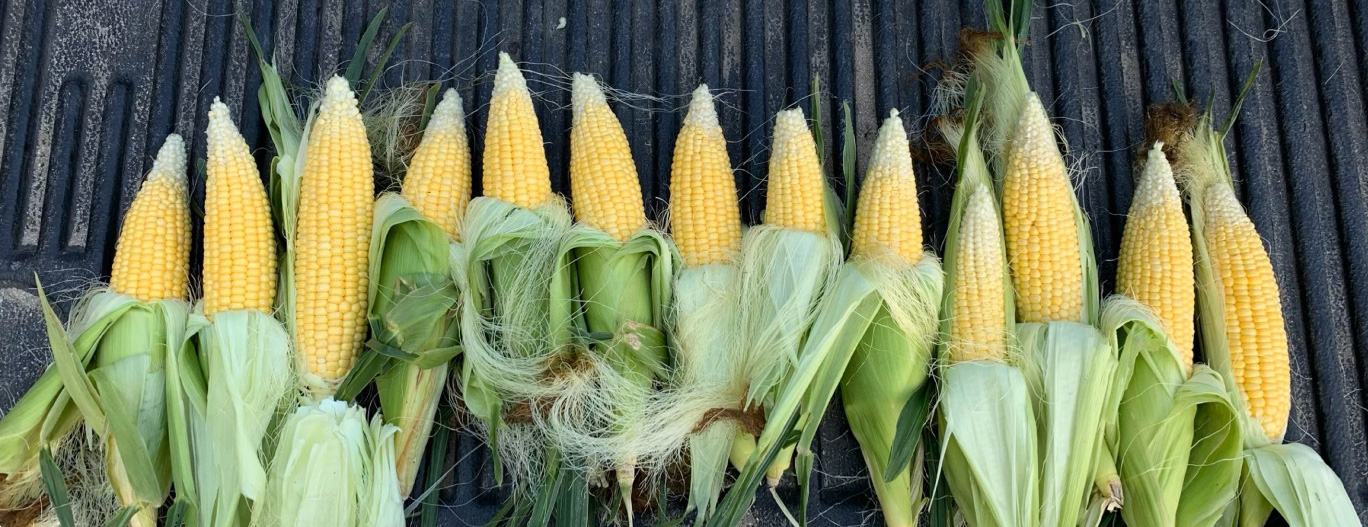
88 90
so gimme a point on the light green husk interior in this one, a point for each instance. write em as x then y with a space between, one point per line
112 362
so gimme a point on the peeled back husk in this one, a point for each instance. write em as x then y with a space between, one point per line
989 450
112 360
413 301
1178 441
331 467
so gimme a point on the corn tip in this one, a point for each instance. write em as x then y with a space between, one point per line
508 77
448 113
702 112
585 92
170 161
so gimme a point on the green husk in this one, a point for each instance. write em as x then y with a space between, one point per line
1293 479
521 334
113 339
889 364
1178 441
331 467
626 290
413 301
1071 373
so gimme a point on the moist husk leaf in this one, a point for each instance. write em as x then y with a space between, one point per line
989 453
1179 444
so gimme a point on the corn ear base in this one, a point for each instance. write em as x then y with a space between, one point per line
1071 372
1178 440
413 302
243 376
888 366
111 340
989 454
709 354
332 467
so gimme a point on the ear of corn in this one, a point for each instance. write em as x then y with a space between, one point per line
152 256
437 182
413 299
888 219
1049 253
987 422
336 205
1177 441
706 217
1155 267
786 262
706 226
239 244
514 165
242 374
603 177
112 356
1038 210
1244 338
619 273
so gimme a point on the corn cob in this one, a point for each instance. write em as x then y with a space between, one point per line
706 219
1254 329
978 325
152 256
796 191
515 169
239 244
603 179
438 180
336 205
888 218
1155 266
1038 220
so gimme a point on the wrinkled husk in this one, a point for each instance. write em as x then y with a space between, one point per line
1177 438
112 361
331 467
413 301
